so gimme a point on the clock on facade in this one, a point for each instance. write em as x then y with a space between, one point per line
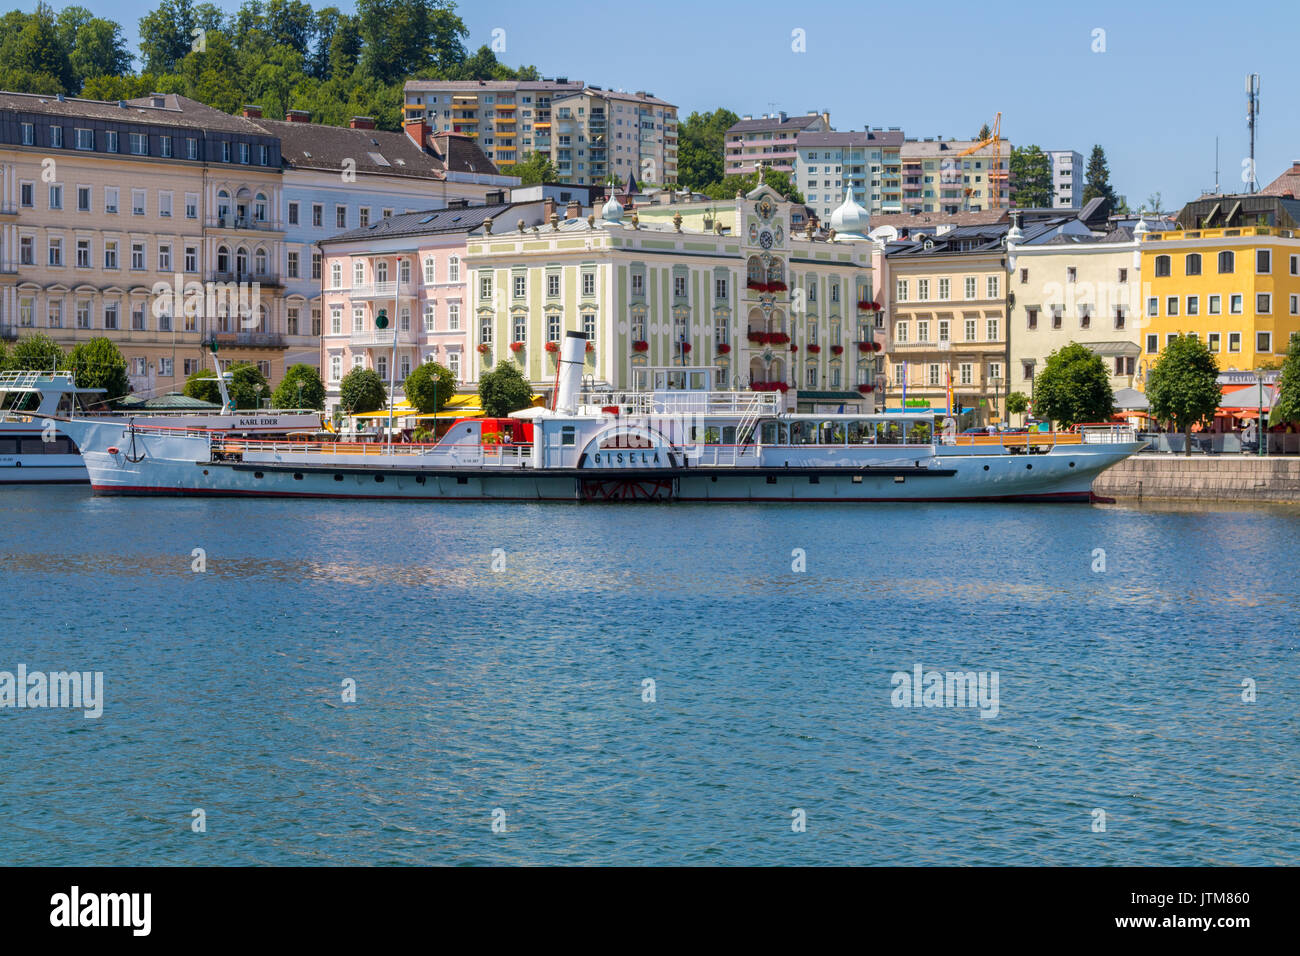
765 239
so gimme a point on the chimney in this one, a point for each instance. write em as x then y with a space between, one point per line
573 210
298 116
362 122
252 112
417 131
548 208
573 354
494 197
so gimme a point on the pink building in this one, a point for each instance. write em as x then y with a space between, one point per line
412 267
769 139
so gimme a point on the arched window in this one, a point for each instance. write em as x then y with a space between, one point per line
241 262
358 273
223 203
1227 262
381 270
430 271
259 259
1162 266
259 207
1193 264
754 271
336 275
223 259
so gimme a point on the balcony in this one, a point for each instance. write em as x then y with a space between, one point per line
8 333
385 290
8 209
261 278
234 221
383 338
263 340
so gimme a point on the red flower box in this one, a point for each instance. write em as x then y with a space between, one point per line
866 347
866 389
640 346
837 350
758 338
814 348
591 346
756 285
777 286
868 306
778 338
552 346
518 346
769 386
686 348
484 348
723 348
793 347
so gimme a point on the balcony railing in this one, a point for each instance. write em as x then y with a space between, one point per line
272 340
263 278
383 337
235 221
384 290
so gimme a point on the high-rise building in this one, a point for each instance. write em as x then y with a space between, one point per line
938 178
771 139
829 163
1068 175
588 132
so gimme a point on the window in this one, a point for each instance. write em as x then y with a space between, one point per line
965 373
1024 280
110 199
1121 317
83 253
56 196
137 256
1234 341
1226 262
453 316
315 321
1171 305
1263 303
1027 369
1071 274
1263 341
358 319
336 320
485 286
1162 266
341 216
900 332
943 330
1153 306
1295 304
1031 317
27 251
138 202
1263 261
1212 340
110 253
358 273
292 265
720 288
971 328
638 284
992 327
1235 304
317 215
970 283
453 365
679 285
110 315
56 252
165 146
900 290
137 318
1215 304
191 148
83 199
1123 275
315 265
56 137
922 331
164 257
453 269
139 144
29 134
293 214
1124 364
1058 314
1192 264
485 330
430 271
520 284
363 216
165 367
1153 343
165 205
933 375
243 153
1193 305
993 287
589 325
429 316
28 195
923 290
336 275
191 258
191 205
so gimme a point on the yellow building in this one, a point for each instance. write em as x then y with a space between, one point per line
1230 276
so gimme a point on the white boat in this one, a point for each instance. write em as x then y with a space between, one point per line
672 437
35 448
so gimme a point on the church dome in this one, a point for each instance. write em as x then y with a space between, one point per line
612 211
850 220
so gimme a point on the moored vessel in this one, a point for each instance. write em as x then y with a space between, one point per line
671 437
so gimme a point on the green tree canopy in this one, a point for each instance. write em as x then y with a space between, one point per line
1073 387
429 386
1183 387
37 352
97 363
1031 177
311 394
1017 403
778 180
537 168
504 390
1287 407
1097 181
701 141
247 386
362 390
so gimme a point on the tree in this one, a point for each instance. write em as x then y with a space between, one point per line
778 180
1097 181
98 48
362 390
429 386
1183 387
401 38
504 390
984 133
38 49
301 387
701 146
247 386
1153 203
165 35
37 352
537 168
97 363
1073 387
1017 403
1287 407
1031 177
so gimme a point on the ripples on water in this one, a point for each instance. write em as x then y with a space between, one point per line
522 689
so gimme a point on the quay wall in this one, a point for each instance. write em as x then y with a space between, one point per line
1202 477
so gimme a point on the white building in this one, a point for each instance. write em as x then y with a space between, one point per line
1067 178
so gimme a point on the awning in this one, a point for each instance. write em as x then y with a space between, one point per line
1114 348
1130 399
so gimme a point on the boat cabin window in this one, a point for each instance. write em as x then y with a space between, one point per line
567 435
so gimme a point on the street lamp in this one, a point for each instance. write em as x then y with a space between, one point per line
1259 422
996 382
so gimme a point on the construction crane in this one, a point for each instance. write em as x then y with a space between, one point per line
997 175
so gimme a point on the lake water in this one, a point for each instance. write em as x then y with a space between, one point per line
522 689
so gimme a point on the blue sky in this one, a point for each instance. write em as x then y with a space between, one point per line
1172 76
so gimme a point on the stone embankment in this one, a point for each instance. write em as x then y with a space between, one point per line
1202 478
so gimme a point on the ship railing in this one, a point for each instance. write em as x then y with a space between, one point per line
1021 440
632 402
466 453
719 455
1106 433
